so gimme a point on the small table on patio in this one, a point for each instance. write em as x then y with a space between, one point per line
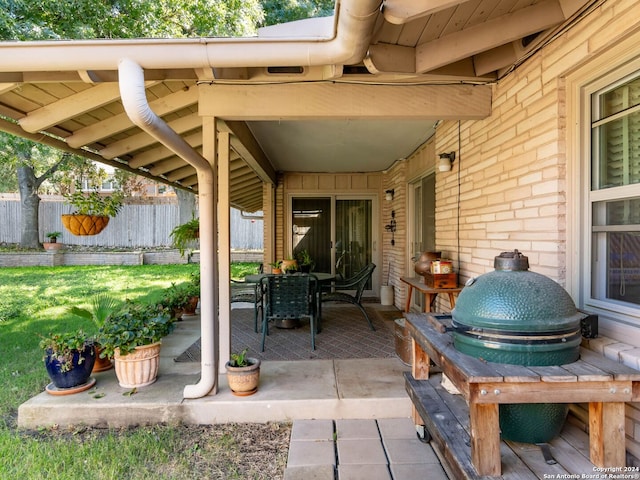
323 278
430 293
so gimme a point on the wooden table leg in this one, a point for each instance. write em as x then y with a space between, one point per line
606 434
485 438
452 300
428 300
420 362
407 307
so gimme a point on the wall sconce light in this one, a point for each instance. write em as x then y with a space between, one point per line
388 194
446 161
391 227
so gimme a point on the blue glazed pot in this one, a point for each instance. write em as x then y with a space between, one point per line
78 375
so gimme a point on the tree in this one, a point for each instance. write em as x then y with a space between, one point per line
34 164
282 11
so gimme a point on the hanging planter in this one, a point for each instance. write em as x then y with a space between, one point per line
92 211
84 224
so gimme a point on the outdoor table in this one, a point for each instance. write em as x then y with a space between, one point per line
323 278
430 293
602 383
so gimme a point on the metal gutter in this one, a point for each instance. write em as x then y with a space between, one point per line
354 23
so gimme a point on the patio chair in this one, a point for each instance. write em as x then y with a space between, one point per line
337 292
287 297
248 292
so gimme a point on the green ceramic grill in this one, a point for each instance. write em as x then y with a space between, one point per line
518 317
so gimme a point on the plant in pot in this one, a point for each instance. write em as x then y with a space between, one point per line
52 244
276 267
185 234
69 359
101 307
91 211
289 265
304 261
132 337
243 374
181 299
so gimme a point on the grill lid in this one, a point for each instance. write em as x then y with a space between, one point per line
513 299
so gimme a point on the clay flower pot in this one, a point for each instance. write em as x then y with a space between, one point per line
244 381
138 368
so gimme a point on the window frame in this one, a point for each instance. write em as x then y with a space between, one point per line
598 76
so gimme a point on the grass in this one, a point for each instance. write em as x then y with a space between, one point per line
32 303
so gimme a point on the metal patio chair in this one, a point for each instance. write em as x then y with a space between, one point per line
287 297
337 291
248 292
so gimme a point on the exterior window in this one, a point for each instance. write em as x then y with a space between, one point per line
614 196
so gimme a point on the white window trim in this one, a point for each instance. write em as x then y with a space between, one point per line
600 71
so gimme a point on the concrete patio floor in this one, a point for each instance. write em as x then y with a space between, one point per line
289 390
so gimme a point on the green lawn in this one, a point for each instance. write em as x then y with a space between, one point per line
33 302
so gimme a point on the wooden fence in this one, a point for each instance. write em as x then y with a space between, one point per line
136 226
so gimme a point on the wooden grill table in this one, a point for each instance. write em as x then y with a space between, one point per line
430 293
604 384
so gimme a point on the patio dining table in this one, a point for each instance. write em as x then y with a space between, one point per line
323 279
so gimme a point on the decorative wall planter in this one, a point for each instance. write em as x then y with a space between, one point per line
84 224
138 368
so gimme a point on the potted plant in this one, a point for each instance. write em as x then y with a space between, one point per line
185 234
181 299
102 306
276 267
52 244
304 261
69 359
243 374
91 211
289 265
132 337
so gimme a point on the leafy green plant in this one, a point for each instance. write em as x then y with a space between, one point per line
135 325
185 234
101 307
178 296
239 359
93 203
53 236
62 346
304 258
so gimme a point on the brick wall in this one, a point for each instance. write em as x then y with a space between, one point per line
509 181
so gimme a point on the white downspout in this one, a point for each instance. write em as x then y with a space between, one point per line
134 99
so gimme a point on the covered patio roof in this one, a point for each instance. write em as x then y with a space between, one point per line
353 92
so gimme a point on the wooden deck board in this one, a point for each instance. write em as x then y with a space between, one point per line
446 417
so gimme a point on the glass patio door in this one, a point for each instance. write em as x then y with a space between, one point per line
337 232
423 233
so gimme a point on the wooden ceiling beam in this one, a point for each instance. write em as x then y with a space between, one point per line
161 152
142 140
400 12
488 35
120 122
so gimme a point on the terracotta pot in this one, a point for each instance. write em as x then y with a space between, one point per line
289 265
244 381
52 247
423 265
138 368
101 364
84 224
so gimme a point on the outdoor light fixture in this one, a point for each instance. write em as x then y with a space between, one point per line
388 194
446 161
391 227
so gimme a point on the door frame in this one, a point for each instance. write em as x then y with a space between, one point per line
376 241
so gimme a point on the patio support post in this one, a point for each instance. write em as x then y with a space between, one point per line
224 251
134 100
